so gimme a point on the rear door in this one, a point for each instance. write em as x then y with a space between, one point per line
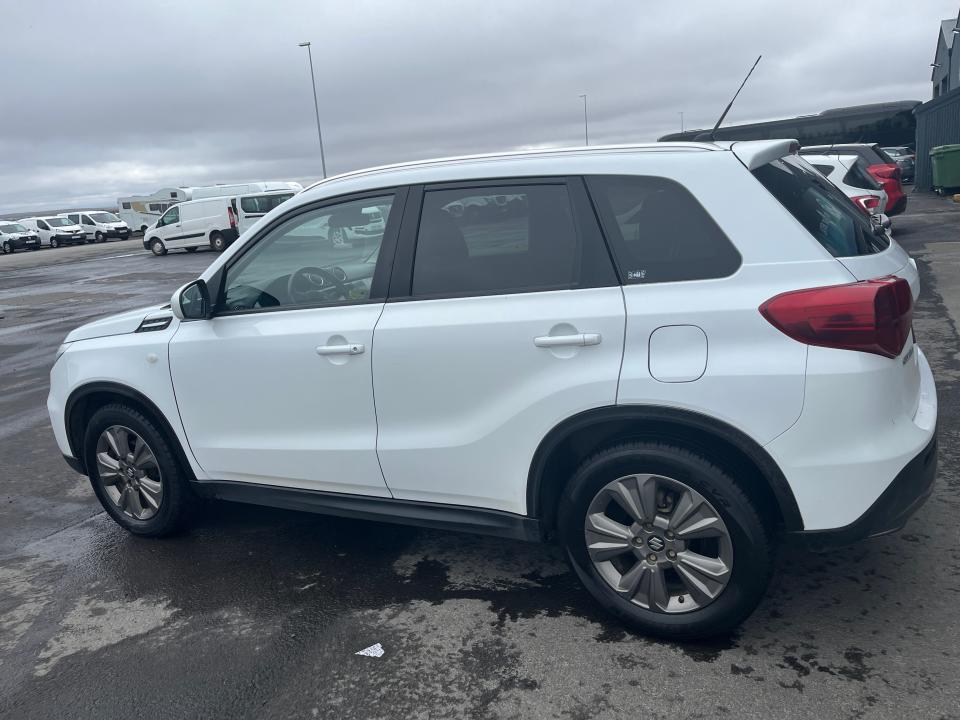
502 322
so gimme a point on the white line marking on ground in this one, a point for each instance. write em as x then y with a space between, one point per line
372 651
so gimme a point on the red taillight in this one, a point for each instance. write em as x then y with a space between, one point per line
867 203
872 316
231 217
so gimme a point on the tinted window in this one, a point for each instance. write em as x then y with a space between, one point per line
821 208
86 220
42 225
824 169
322 257
495 239
262 203
858 177
126 206
156 207
659 232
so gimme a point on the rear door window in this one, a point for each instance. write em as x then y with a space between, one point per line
659 232
501 239
821 208
825 170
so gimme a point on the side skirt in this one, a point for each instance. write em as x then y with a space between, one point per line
362 507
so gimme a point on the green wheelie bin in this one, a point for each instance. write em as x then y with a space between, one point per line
945 162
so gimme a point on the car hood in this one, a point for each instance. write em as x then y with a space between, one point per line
119 324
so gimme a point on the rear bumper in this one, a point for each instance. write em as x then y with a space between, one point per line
890 512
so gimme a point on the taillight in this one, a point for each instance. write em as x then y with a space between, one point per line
231 217
871 316
867 203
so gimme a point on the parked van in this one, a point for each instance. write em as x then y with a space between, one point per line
99 225
14 236
193 224
55 231
251 207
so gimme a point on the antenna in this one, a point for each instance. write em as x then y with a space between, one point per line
733 100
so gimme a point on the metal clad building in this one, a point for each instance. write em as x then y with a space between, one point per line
938 123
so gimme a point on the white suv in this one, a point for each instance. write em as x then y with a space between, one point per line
668 358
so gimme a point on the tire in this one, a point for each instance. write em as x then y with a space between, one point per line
217 241
143 229
190 249
175 500
743 542
7 248
98 237
54 243
157 247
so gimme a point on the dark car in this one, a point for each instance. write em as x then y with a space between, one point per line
879 164
14 236
905 159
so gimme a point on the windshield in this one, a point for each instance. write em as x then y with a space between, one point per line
59 222
13 228
104 217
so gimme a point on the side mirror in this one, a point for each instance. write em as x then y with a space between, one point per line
192 302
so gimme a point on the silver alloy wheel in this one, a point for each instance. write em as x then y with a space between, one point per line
129 472
658 543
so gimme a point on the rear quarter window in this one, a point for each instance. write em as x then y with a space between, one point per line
659 232
817 204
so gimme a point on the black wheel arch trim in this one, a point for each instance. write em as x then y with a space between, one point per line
793 521
75 438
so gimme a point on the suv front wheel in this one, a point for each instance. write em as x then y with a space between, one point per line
665 540
134 472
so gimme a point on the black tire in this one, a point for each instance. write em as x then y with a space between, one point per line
753 548
157 247
7 248
178 501
217 241
99 237
54 243
143 229
190 249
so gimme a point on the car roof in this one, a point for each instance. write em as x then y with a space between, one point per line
533 163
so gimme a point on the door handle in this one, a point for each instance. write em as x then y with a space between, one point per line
579 340
351 349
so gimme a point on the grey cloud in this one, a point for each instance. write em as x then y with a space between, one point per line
124 97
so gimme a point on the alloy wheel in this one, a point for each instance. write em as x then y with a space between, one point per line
129 472
658 543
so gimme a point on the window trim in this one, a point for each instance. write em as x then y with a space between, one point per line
584 221
381 273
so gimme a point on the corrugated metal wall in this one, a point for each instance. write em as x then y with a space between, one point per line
938 123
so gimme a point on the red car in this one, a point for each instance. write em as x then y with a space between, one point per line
880 165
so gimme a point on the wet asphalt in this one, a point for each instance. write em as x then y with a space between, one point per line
257 613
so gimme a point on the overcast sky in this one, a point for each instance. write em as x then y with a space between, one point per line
111 98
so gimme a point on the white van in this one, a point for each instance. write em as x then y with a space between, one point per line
55 231
251 207
99 225
193 224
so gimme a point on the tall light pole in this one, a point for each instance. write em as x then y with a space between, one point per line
681 121
586 133
316 107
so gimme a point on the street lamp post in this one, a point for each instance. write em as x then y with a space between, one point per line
316 107
681 121
586 132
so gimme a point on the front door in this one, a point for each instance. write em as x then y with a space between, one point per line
276 387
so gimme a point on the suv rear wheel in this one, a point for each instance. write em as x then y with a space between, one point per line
665 540
134 472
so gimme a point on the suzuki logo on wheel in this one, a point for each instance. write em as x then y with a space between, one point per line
656 543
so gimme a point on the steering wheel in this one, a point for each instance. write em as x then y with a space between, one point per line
312 284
